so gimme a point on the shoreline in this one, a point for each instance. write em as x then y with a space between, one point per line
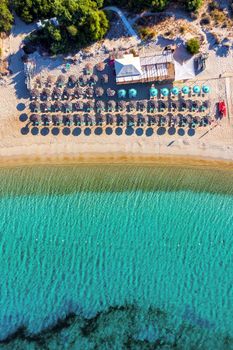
92 159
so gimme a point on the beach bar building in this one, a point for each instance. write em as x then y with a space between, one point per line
134 69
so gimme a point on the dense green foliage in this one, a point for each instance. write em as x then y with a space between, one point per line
80 22
6 17
154 5
193 46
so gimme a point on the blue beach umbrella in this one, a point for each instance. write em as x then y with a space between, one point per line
205 89
164 92
153 92
196 89
121 93
132 93
185 90
175 90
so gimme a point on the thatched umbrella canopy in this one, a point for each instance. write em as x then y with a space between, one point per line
67 93
163 105
93 78
111 92
109 118
57 92
99 91
153 105
56 119
100 66
77 118
47 92
105 78
121 105
82 79
78 92
34 118
142 105
35 106
189 118
45 119
88 68
35 94
78 105
173 105
68 107
38 80
195 105
90 105
100 104
72 79
90 91
45 106
111 105
61 79
183 105
132 105
58 106
50 80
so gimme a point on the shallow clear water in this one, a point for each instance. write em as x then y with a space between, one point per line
116 258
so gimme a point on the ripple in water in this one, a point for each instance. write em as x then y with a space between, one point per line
116 258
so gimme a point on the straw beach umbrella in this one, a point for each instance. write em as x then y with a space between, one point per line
61 80
89 106
72 80
78 92
78 106
111 92
153 106
35 107
99 91
35 94
93 79
45 107
50 80
89 92
111 105
100 66
46 94
183 105
46 120
100 106
56 120
56 93
82 80
34 118
104 78
163 106
142 105
88 68
58 106
121 105
132 105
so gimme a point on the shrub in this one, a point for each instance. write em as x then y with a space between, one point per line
193 46
194 5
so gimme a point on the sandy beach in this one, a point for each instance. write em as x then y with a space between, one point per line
210 145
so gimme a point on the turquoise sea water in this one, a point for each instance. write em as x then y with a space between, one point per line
112 257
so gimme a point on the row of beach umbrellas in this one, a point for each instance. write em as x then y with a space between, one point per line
175 91
181 120
111 105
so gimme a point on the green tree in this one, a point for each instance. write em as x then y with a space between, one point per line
159 5
193 46
6 18
72 30
194 5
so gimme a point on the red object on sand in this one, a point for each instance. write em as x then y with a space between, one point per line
222 108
